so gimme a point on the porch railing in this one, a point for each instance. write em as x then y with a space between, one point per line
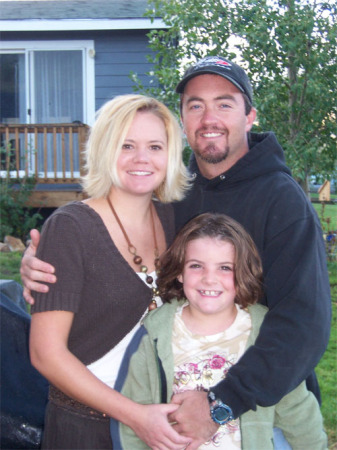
50 152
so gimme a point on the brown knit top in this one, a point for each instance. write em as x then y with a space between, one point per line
94 280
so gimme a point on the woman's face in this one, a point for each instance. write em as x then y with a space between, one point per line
142 164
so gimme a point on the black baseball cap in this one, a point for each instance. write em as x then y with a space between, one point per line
218 66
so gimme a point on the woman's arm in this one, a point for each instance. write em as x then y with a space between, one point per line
51 356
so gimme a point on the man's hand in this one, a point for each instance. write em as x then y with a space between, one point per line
33 270
193 417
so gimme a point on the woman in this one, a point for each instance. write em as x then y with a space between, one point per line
105 251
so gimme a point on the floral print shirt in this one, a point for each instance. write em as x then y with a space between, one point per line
200 362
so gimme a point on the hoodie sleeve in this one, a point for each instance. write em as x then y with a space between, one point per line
296 330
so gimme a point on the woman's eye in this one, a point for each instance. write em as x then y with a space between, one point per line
126 146
156 147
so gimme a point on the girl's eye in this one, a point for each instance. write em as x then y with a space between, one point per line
194 266
227 268
126 146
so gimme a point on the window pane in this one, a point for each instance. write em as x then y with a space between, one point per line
58 99
58 86
13 93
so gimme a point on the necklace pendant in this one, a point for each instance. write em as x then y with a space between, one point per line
149 279
153 305
137 259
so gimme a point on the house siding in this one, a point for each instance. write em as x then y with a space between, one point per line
117 53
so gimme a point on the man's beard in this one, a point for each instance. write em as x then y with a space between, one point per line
210 155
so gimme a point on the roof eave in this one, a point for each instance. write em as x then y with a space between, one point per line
81 24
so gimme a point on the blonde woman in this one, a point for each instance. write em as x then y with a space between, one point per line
105 252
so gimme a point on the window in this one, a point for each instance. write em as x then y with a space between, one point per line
47 82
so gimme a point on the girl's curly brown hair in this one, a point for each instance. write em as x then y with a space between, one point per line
247 267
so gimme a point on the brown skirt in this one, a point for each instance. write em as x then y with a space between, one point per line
67 428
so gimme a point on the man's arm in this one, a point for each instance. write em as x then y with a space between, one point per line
33 271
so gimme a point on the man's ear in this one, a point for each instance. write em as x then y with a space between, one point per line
250 118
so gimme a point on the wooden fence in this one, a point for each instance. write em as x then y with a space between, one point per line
51 153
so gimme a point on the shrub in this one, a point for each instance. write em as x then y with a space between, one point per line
16 218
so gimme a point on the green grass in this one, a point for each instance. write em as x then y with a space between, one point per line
328 211
326 369
10 266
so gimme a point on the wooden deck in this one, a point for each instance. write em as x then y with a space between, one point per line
51 153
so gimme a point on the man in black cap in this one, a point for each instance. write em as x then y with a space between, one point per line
244 175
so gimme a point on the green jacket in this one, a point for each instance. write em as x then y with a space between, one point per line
146 376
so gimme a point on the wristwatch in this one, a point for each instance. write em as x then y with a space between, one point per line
220 412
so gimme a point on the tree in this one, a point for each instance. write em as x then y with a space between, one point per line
289 50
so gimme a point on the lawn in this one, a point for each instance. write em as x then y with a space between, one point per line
328 215
326 369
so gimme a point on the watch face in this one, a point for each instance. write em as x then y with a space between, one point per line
220 413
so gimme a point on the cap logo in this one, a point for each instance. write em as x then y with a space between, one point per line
211 61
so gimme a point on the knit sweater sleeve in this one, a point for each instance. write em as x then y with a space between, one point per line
62 246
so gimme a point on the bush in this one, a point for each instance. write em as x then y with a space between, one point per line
16 217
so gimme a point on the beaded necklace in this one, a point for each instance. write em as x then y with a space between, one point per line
137 259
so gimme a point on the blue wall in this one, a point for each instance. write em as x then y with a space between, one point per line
118 52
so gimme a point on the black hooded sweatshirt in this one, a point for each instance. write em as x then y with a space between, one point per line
259 192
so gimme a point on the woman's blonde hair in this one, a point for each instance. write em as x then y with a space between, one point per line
107 136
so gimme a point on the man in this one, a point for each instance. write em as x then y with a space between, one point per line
244 175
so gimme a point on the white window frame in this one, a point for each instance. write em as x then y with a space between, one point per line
88 82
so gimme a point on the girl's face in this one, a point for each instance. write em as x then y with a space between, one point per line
142 163
208 276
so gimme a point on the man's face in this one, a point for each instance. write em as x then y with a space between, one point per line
215 123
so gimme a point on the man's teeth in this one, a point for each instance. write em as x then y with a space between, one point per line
210 293
210 135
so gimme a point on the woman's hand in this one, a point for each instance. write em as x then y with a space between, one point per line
151 425
34 271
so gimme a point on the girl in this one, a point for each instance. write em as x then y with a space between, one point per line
210 281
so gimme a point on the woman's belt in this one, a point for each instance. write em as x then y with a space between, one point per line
60 399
